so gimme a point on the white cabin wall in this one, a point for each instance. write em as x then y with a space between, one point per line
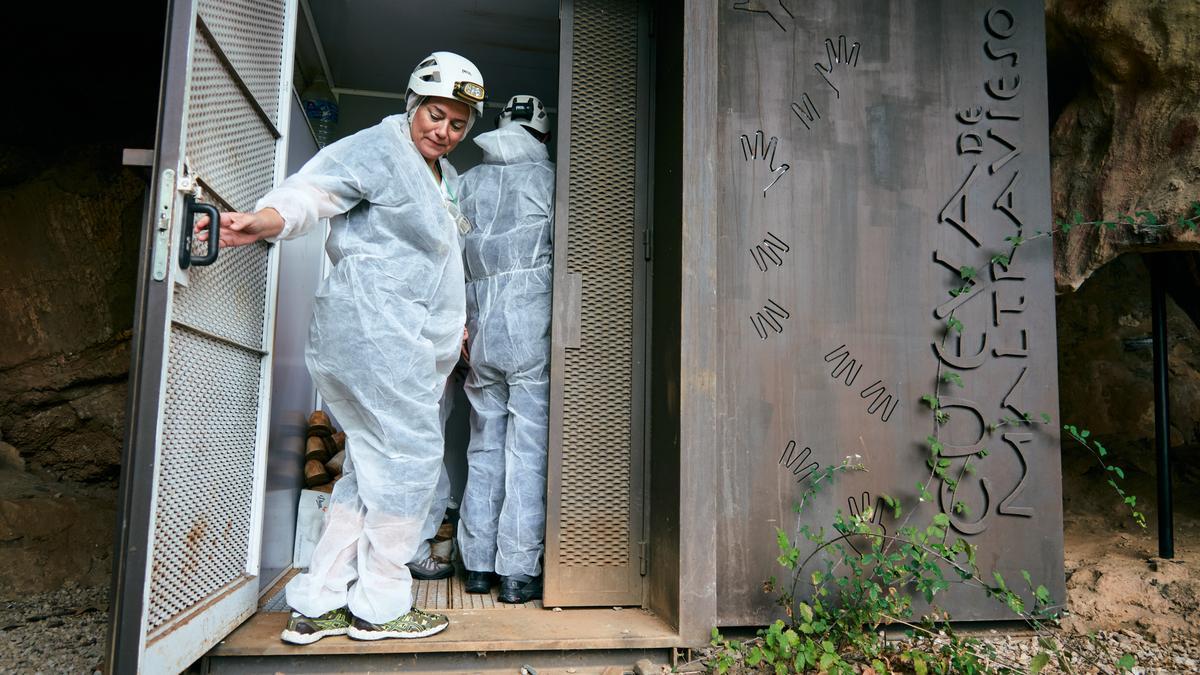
293 395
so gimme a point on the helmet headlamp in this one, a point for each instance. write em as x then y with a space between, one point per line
470 92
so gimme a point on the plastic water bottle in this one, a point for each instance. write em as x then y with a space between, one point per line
321 109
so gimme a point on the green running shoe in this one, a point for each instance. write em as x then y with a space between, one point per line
305 630
415 624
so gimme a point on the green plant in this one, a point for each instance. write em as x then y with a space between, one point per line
1100 452
867 579
1139 221
863 580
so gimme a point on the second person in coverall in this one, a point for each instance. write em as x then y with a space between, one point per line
509 199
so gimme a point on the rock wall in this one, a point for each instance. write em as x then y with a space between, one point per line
83 85
68 244
1125 116
69 228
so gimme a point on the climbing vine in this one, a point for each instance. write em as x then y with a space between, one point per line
860 578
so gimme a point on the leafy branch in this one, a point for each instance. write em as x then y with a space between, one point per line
1139 221
1083 437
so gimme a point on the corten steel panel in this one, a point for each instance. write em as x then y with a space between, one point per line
594 494
865 152
699 353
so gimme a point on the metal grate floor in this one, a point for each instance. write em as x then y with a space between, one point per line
428 595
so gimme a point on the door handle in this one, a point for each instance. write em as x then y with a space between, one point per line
191 208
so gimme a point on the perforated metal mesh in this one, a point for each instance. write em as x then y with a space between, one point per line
210 409
206 470
597 377
250 33
228 298
228 144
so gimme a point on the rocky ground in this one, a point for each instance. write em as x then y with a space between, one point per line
55 561
59 632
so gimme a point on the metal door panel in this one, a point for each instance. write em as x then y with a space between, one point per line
594 500
188 546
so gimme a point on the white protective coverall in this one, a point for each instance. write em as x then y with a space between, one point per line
441 497
386 331
509 199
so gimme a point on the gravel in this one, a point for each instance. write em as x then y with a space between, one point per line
59 632
1099 652
1088 655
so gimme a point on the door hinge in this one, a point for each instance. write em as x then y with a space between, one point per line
647 244
188 183
644 563
162 223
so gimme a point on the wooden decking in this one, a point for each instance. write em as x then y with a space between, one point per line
473 630
439 595
478 623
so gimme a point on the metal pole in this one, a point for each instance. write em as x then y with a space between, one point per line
1162 425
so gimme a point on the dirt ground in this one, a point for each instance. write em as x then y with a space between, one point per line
1115 579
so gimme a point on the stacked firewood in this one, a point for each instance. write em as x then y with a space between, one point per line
324 453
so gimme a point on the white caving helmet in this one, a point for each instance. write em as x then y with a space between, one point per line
447 75
527 111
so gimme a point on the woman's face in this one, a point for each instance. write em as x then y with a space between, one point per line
438 125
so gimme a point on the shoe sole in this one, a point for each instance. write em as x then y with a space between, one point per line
524 595
292 637
432 577
519 600
356 634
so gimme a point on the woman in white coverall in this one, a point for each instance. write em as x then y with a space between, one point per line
509 199
387 329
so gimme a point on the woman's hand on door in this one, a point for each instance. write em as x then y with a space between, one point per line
239 229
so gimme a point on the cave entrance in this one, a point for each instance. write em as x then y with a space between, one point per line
215 443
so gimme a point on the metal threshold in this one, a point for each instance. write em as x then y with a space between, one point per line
473 630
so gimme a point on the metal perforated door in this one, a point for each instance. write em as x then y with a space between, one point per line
187 549
594 504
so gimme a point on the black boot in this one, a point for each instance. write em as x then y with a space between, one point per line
520 588
480 582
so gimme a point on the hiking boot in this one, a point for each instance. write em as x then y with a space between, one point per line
431 568
305 630
415 624
480 582
520 588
